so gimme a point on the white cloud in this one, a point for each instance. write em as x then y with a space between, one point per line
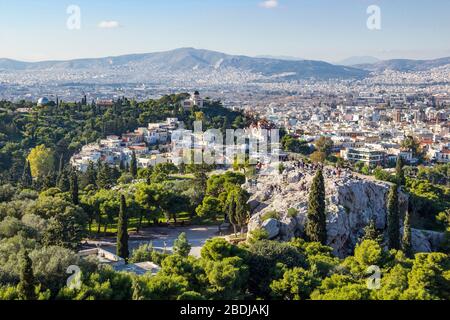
109 24
269 4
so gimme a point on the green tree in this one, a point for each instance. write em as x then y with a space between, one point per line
393 218
181 245
411 144
324 144
122 231
90 176
27 179
74 188
296 284
133 165
400 174
147 196
316 229
406 238
27 282
63 182
237 208
211 207
372 233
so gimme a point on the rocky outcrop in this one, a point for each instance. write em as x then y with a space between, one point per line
352 201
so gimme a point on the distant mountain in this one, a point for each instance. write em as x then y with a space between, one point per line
178 62
405 65
352 61
288 58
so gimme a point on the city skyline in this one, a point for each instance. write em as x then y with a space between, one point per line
319 30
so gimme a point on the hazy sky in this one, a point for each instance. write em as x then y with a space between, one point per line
315 29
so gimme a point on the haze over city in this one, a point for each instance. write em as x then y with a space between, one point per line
317 30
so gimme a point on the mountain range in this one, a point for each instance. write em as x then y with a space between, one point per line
404 65
188 59
188 63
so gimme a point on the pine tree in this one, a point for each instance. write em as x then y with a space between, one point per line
74 188
27 179
406 239
316 229
122 231
393 218
181 245
400 174
133 165
26 285
371 233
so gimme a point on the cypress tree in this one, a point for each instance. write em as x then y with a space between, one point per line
122 166
122 231
400 174
393 218
63 182
133 165
406 239
90 176
61 164
26 285
74 188
316 229
27 179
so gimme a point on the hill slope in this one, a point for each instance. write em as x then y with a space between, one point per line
190 59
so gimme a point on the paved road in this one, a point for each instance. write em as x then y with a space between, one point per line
161 238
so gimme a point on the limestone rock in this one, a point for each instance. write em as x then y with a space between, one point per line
272 227
352 201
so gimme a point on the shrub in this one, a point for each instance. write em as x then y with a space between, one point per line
270 215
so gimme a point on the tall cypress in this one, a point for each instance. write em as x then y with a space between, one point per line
133 165
122 231
90 176
400 174
406 239
74 187
393 218
316 228
26 285
61 164
27 178
63 182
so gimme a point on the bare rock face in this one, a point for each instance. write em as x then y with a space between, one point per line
426 241
352 201
272 227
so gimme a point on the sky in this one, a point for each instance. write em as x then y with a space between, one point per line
330 30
